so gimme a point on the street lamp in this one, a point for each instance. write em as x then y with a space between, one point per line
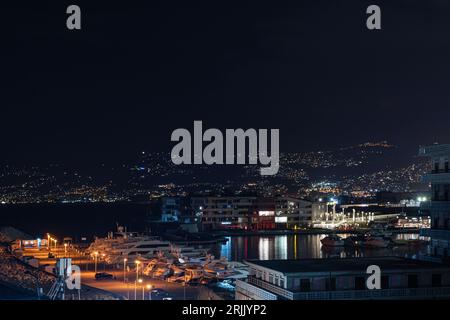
65 249
150 287
95 257
124 268
136 280
143 294
137 268
104 262
135 287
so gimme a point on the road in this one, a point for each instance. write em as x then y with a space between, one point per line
134 291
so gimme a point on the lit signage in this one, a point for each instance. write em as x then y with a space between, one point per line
266 213
280 219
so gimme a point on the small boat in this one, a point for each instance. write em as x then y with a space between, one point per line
161 272
176 271
376 242
224 274
417 242
193 273
332 241
176 279
354 241
400 242
410 242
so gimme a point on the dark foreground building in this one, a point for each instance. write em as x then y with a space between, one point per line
335 279
439 206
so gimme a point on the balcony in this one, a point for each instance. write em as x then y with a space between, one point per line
406 293
270 287
443 177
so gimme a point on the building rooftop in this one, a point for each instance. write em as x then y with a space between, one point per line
345 264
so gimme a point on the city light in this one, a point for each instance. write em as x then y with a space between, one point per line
225 153
95 258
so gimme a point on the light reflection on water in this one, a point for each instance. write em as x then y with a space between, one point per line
306 246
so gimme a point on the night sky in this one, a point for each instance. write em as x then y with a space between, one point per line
136 72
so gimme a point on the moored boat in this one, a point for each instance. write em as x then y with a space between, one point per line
332 241
376 242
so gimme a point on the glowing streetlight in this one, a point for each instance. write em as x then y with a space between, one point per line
143 293
137 262
137 268
124 268
95 256
135 287
104 261
65 249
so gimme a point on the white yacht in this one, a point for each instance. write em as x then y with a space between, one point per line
187 253
146 248
103 245
121 245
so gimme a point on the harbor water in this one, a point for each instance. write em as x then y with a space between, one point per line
307 246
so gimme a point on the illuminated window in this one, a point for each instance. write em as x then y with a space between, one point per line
281 219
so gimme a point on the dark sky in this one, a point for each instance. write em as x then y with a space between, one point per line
136 72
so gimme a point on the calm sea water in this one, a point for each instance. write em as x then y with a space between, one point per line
304 246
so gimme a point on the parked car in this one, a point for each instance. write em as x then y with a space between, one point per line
103 275
160 294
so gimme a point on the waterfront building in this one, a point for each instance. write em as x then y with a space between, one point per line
439 206
292 213
263 214
254 213
319 210
343 278
224 212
